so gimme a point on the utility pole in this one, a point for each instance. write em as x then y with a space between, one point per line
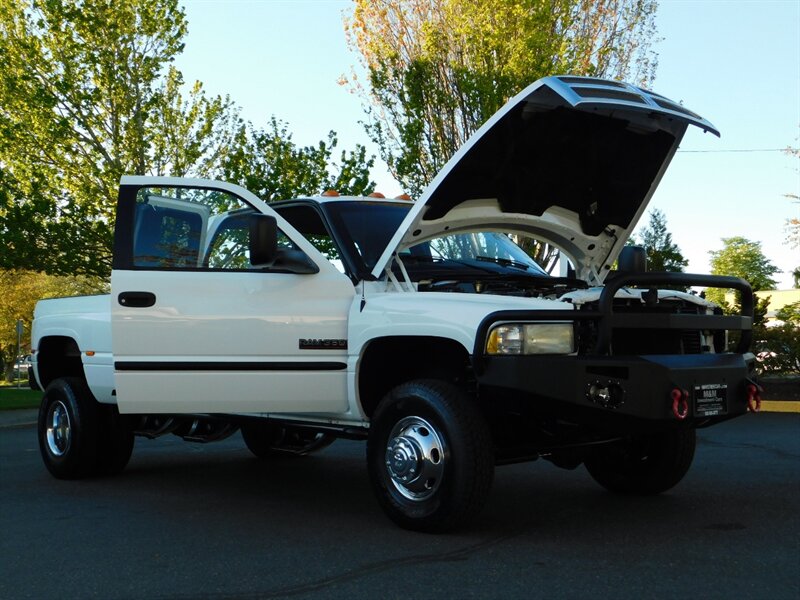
20 331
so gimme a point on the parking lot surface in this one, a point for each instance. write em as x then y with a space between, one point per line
210 521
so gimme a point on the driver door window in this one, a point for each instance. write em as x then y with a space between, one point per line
192 228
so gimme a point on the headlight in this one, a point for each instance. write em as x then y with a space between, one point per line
531 338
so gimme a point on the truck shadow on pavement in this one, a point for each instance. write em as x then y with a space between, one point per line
526 498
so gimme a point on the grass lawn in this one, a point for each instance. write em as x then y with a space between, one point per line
12 398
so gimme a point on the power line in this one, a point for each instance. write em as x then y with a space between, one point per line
740 150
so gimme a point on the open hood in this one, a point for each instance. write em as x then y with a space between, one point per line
572 161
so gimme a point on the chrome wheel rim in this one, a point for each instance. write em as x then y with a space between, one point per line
415 458
59 430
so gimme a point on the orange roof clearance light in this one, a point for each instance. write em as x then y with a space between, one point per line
376 195
403 197
331 193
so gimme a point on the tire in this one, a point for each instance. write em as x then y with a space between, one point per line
644 465
430 456
114 440
68 426
269 440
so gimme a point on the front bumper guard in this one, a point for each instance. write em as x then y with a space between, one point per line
713 387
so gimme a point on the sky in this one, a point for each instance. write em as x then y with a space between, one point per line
736 63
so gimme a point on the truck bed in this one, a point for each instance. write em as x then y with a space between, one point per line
87 321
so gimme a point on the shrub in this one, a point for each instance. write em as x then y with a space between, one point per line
778 348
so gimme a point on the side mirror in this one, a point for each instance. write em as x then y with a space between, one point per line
632 259
294 261
264 251
263 240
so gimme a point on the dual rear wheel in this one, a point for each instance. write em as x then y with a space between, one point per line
78 437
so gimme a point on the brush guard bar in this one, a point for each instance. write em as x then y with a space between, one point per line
609 321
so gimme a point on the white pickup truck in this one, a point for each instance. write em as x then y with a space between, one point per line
420 327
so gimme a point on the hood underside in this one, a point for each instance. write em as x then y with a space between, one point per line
571 160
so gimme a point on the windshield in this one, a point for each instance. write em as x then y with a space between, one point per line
369 226
488 246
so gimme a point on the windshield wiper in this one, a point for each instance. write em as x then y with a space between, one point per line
506 262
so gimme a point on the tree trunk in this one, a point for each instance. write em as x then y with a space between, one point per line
9 372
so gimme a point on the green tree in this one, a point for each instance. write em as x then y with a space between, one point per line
21 290
438 69
662 253
740 257
43 230
789 313
87 94
268 163
743 258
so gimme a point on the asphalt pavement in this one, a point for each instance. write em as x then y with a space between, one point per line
210 521
18 418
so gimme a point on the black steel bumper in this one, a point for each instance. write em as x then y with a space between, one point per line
599 387
640 387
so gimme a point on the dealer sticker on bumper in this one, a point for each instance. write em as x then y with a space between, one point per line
710 399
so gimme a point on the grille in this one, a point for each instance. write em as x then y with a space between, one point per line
643 340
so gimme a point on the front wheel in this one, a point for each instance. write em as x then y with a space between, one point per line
644 465
429 456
